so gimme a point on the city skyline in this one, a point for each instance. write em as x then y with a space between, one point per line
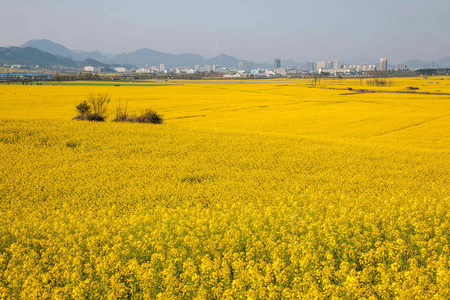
352 31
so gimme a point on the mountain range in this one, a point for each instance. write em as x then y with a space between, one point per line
46 52
141 57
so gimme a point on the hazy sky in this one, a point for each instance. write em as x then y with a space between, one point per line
257 30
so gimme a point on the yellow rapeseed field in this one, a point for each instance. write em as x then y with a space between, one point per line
252 190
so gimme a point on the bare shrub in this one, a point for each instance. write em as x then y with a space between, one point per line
378 82
95 117
90 117
121 112
148 116
94 108
99 102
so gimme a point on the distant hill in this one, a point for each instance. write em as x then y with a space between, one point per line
139 57
91 62
223 60
443 63
143 57
96 55
33 56
59 50
154 58
52 48
417 64
420 64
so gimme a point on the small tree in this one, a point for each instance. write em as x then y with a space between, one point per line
83 108
150 116
94 108
147 116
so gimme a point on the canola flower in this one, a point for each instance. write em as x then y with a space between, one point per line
248 191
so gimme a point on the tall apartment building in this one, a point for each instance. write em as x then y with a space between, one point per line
276 63
383 64
310 66
336 64
243 65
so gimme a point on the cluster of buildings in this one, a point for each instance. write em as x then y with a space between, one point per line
19 66
335 67
244 69
161 69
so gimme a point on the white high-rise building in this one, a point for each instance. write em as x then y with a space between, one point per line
321 65
336 64
162 67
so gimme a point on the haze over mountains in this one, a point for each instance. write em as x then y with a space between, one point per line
44 51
